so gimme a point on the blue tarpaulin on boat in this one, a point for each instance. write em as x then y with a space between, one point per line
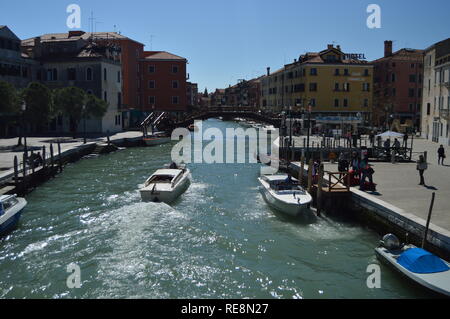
421 261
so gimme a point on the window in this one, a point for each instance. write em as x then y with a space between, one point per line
118 77
336 103
72 74
151 69
174 99
366 102
105 74
89 76
336 72
393 77
119 100
105 96
313 71
151 100
345 102
411 92
412 65
412 78
366 87
345 71
419 92
336 86
366 72
394 91
428 108
174 68
174 84
312 87
410 107
347 87
151 84
312 102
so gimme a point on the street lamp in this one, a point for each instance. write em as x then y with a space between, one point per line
24 109
84 124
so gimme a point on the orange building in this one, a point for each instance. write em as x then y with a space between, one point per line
163 82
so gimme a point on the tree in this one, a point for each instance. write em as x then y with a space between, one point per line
9 102
95 107
39 104
205 94
70 101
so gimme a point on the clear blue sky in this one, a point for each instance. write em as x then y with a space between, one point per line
229 40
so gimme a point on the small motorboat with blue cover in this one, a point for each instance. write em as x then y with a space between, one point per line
417 264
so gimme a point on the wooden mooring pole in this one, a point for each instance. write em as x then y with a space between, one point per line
52 163
302 168
428 220
310 169
16 171
320 190
59 156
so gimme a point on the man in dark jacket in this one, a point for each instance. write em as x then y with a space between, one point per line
441 155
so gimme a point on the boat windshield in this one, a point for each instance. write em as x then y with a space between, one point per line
161 179
8 203
285 186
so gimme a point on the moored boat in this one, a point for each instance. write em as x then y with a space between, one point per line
416 264
166 185
157 138
285 194
11 208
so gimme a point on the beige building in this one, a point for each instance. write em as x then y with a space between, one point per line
436 93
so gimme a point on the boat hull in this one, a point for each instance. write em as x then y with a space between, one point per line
10 220
148 195
288 208
438 283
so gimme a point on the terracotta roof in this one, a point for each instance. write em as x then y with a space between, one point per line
58 37
161 55
403 54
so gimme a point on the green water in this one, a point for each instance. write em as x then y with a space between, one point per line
220 240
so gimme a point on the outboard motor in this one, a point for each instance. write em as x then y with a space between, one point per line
391 242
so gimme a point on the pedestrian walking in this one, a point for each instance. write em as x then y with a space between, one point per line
421 167
372 138
405 140
441 155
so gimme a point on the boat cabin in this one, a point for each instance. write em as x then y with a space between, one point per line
165 176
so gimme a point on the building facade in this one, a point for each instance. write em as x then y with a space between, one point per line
398 85
337 87
436 96
163 82
68 60
15 67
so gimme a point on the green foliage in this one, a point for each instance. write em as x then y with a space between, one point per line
9 98
95 107
39 103
69 101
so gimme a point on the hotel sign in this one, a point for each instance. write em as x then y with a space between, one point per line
354 56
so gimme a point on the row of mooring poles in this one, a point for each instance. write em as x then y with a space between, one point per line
309 183
25 168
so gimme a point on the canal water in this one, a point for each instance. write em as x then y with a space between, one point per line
220 240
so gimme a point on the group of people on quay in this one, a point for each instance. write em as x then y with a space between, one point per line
357 165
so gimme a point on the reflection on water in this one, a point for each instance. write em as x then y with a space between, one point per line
220 240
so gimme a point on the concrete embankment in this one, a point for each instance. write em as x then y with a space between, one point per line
384 217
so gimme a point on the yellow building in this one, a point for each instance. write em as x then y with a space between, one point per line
338 87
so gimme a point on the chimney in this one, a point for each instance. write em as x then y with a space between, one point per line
295 60
330 46
387 48
268 71
338 47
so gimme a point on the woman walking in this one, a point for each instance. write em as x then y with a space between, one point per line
421 167
441 155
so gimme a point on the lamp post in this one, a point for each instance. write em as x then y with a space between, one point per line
84 124
24 109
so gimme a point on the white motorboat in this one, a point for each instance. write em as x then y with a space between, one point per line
285 194
11 208
157 138
166 185
416 264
